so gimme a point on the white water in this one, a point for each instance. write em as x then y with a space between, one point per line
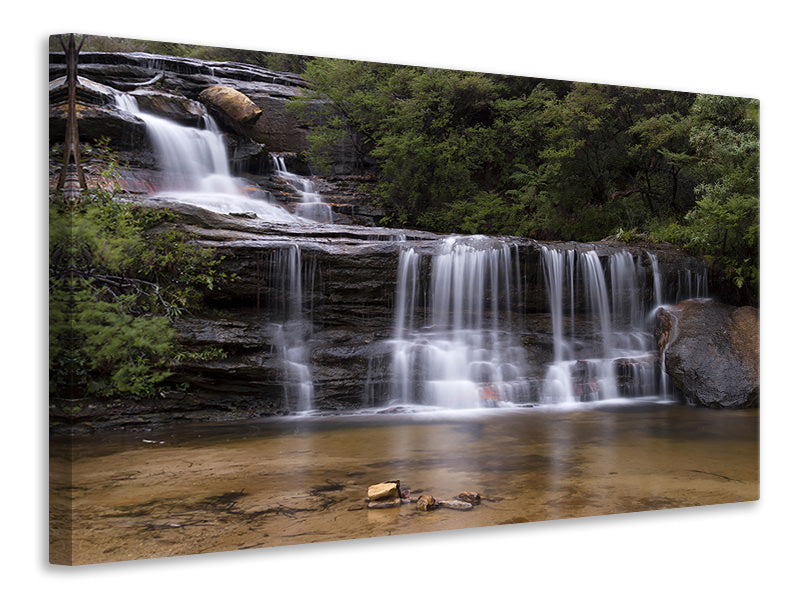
285 276
620 309
312 206
461 353
195 170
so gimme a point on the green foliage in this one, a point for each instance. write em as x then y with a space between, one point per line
474 153
116 285
724 222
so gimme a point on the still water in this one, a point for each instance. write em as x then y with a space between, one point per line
207 488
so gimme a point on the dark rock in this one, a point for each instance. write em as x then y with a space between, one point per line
170 106
711 352
86 92
473 498
96 122
386 504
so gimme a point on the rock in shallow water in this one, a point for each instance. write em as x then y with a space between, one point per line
384 491
454 504
426 502
711 352
385 503
473 498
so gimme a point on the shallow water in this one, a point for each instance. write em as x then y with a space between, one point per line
206 488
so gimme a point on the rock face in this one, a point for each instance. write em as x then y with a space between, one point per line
269 91
711 352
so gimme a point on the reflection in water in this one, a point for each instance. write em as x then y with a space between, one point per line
297 480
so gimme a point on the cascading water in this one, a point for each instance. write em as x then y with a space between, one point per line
617 355
462 353
285 277
195 170
312 207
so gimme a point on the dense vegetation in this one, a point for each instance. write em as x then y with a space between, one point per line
116 287
476 153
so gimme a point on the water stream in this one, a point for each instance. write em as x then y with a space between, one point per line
312 206
462 352
194 167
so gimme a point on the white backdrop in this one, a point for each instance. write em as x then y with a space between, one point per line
728 551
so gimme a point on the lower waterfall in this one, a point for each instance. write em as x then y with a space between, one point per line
462 352
459 335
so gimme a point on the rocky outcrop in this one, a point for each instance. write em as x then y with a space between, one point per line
711 352
170 106
270 91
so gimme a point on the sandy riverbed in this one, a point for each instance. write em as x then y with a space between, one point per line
209 488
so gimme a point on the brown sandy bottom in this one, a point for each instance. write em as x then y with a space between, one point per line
209 488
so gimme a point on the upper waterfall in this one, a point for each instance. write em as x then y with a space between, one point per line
195 170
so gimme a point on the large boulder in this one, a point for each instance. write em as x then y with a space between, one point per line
230 105
711 352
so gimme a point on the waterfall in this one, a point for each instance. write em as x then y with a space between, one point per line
311 206
194 167
619 358
656 279
462 352
285 279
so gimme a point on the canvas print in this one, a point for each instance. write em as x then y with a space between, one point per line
297 299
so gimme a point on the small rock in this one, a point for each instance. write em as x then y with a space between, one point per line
387 504
426 503
473 498
385 490
455 504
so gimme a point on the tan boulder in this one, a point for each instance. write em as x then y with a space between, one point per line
384 491
231 105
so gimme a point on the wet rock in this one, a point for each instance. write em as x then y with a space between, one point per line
96 122
386 504
384 491
170 106
425 503
454 504
86 92
473 498
711 352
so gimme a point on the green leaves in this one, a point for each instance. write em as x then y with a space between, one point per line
469 152
115 288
